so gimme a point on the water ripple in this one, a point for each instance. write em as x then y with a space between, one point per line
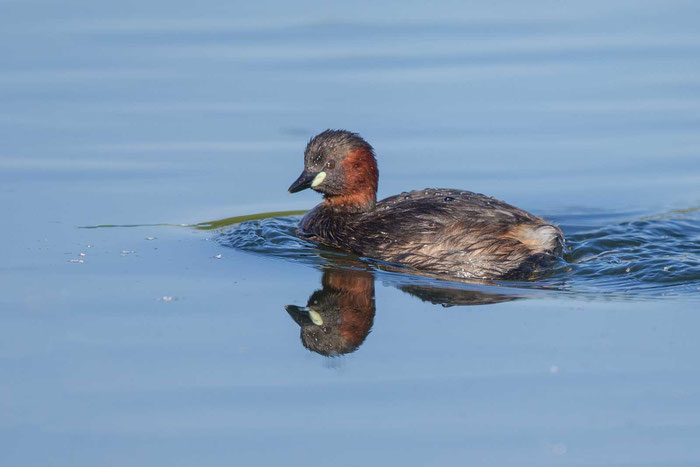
648 256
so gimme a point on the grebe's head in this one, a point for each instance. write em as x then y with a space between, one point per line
341 165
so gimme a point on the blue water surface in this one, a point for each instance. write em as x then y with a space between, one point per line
194 344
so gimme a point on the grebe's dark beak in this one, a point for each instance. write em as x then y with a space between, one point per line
303 182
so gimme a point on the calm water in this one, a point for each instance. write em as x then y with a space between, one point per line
199 344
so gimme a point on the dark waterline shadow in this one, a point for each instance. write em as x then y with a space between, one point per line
211 225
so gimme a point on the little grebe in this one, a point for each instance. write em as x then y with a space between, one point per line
440 231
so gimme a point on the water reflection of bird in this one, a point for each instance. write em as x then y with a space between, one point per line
339 316
447 297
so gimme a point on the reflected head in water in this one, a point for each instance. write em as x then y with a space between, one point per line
337 318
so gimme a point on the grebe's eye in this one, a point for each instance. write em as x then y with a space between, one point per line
330 164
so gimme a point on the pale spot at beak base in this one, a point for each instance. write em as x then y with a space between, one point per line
318 179
315 316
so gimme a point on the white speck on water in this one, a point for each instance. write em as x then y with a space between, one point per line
557 449
166 298
127 252
666 268
151 238
79 261
627 270
89 246
219 256
83 254
554 369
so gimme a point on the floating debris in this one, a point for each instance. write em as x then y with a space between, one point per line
166 298
151 238
79 261
127 252
219 256
82 255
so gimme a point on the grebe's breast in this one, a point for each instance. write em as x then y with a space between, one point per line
325 225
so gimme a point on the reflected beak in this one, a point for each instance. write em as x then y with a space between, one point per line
300 315
303 182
